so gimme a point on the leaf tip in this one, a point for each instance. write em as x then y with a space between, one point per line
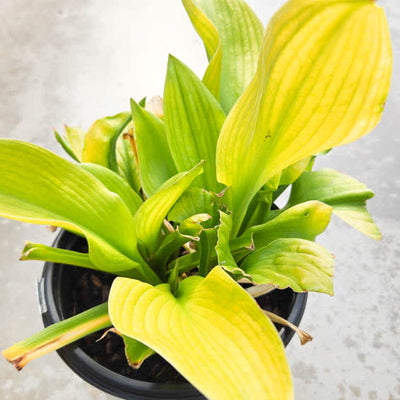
24 256
304 337
136 365
171 58
103 336
171 61
252 246
18 362
132 102
222 193
378 235
174 63
28 248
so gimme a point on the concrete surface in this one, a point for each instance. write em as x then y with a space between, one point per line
72 62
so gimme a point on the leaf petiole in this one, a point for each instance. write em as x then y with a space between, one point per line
58 335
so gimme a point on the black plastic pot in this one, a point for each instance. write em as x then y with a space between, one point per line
53 280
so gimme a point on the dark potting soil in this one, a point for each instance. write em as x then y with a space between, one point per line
84 288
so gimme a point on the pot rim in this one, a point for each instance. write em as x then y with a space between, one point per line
103 378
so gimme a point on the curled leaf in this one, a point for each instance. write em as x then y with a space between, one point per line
299 264
101 140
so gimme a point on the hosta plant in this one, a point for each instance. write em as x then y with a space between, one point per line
175 197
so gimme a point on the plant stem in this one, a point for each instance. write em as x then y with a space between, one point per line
259 290
208 240
58 335
303 335
171 244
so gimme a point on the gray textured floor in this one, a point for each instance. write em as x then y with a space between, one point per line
72 62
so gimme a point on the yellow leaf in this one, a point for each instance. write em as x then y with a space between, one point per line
101 140
209 34
211 331
232 36
322 80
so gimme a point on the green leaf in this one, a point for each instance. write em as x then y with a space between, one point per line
136 352
329 186
356 215
101 140
305 221
126 161
346 195
224 254
76 139
213 240
171 244
150 216
296 263
322 80
192 226
193 120
114 183
206 250
36 251
155 161
259 209
231 351
193 202
222 248
292 173
173 279
209 34
42 188
212 76
73 142
228 28
65 145
189 230
186 263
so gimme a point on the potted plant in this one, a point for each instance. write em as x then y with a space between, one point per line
175 198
